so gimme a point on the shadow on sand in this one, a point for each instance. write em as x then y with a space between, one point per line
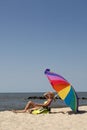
70 112
57 112
79 112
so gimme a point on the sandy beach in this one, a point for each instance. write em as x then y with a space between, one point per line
58 119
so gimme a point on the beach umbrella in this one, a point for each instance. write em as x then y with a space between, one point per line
64 89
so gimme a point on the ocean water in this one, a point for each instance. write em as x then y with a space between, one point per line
10 101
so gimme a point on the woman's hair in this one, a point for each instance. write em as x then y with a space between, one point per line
49 94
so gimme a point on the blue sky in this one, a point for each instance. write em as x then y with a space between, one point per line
40 34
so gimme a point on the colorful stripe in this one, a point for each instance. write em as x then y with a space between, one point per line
63 93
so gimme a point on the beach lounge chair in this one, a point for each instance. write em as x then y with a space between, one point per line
41 110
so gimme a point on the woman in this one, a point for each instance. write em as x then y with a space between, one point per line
34 106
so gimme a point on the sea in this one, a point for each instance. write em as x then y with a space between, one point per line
10 101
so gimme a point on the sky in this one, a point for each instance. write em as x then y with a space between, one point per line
40 34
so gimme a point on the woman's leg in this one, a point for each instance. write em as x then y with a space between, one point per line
29 105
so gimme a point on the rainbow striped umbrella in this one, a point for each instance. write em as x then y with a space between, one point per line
64 89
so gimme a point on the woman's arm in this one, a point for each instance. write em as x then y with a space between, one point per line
47 103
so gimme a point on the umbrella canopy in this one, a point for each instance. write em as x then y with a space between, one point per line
64 89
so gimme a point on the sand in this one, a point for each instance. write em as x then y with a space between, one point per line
59 119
